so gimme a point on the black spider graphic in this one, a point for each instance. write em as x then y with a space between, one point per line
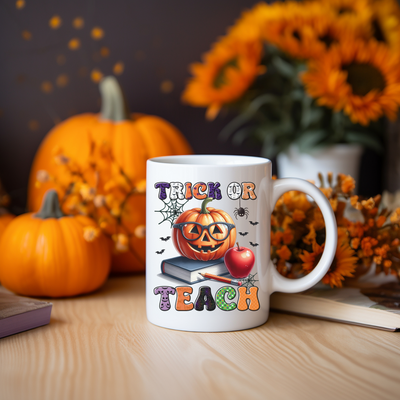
241 212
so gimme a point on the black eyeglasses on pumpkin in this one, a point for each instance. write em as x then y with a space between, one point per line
193 230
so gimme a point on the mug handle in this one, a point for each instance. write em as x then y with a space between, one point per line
282 284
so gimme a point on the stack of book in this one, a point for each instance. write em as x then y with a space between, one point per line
372 301
18 314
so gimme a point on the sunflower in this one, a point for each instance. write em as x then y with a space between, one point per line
225 74
344 263
360 78
385 22
307 31
348 11
251 23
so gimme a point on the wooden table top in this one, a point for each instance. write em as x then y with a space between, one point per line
101 346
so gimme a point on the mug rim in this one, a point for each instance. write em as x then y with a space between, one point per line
220 160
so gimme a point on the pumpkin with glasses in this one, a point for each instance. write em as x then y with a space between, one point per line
204 233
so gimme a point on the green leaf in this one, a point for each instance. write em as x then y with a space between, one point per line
284 68
268 148
312 116
240 135
309 139
247 115
364 139
296 94
305 111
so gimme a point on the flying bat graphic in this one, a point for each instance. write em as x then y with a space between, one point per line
253 244
160 252
165 239
254 223
243 233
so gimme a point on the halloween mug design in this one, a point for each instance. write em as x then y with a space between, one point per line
208 266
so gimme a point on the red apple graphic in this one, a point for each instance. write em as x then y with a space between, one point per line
239 261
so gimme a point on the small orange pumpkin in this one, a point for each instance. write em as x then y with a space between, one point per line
204 234
133 139
46 254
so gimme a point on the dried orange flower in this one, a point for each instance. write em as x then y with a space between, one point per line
99 201
387 263
373 238
276 238
90 233
377 260
368 204
348 184
395 217
354 200
87 192
367 244
327 191
121 242
140 231
281 267
298 215
355 242
100 189
286 222
311 236
334 203
287 236
284 253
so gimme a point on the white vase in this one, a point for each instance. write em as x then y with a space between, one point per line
338 158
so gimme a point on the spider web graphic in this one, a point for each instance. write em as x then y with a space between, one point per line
171 211
249 281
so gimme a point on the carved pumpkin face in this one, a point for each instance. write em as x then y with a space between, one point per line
204 234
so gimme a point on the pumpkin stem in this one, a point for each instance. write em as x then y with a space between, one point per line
204 205
113 102
50 206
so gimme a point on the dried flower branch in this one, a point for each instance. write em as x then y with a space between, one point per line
368 233
99 189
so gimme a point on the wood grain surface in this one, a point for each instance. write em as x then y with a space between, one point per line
101 346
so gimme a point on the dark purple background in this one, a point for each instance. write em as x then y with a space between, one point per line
156 40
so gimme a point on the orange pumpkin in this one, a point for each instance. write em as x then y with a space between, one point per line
133 139
204 234
46 254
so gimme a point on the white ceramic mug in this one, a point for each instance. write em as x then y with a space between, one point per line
197 208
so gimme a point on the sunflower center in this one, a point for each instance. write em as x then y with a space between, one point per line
345 10
363 78
296 35
220 78
378 32
327 40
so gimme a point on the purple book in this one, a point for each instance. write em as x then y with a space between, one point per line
18 314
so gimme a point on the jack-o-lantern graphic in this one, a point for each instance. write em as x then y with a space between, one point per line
204 233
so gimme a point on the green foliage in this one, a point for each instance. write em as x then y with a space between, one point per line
276 112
